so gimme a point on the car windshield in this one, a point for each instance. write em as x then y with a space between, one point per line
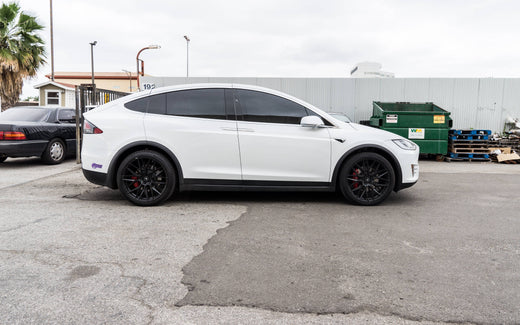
25 114
340 116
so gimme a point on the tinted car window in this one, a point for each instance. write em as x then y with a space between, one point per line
138 105
157 104
261 107
203 103
25 114
67 115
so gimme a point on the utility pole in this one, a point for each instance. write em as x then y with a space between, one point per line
187 54
93 98
52 47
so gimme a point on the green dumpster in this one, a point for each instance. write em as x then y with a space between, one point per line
426 124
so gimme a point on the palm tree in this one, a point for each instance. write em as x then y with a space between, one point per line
22 51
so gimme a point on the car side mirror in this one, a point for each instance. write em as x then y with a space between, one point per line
312 121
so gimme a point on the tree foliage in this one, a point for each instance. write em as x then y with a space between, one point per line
22 51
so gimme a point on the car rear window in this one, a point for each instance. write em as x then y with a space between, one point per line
25 114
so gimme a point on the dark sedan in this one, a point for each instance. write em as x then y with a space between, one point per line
46 132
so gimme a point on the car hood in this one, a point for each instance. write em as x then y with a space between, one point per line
373 131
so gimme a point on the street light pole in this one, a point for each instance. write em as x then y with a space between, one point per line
150 47
187 54
129 78
93 97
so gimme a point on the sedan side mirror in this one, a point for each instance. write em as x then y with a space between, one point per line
312 121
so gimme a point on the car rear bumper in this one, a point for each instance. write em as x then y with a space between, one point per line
95 177
24 148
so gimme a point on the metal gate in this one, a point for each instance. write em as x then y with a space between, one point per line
87 98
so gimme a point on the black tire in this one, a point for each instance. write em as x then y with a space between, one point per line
366 178
146 178
54 153
3 157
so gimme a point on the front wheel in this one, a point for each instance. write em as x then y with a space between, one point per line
146 178
367 178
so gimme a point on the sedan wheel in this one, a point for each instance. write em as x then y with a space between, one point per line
146 178
54 153
367 179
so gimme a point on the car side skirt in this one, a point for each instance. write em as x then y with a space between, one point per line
244 185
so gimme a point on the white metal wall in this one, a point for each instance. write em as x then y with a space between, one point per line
474 103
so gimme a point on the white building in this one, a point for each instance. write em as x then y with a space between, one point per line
369 70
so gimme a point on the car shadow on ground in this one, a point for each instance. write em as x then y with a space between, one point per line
28 162
210 197
277 197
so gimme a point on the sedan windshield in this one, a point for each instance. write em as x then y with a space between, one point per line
25 114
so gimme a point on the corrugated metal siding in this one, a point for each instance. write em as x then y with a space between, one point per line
416 90
511 100
474 103
366 91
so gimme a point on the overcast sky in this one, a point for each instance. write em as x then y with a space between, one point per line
284 38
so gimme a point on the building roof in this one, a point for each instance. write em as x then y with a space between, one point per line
97 75
61 85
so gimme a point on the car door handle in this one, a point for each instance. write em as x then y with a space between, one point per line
245 130
229 129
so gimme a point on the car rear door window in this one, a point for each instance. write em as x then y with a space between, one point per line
138 105
67 116
157 104
262 107
201 103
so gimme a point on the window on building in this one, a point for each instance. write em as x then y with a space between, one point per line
52 98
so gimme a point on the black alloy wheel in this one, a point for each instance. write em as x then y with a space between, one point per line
146 178
367 179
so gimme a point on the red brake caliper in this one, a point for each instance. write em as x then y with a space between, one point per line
135 184
354 176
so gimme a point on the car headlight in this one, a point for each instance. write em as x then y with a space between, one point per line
405 144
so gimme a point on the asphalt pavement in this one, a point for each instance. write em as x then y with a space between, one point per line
443 251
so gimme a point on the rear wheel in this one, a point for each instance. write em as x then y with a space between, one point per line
146 178
3 157
54 153
367 179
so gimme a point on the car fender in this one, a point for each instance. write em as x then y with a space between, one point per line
141 145
372 148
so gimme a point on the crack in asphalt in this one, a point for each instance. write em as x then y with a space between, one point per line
23 225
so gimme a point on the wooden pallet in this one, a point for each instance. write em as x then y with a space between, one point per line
448 159
470 132
468 150
468 142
